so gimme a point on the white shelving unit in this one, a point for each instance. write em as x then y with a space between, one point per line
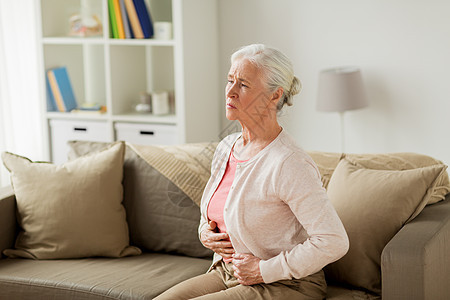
113 72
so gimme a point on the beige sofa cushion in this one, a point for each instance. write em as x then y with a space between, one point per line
130 278
327 162
373 205
72 210
162 187
405 161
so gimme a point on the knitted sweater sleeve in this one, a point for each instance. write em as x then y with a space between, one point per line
301 189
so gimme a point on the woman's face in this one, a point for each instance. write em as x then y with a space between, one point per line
247 98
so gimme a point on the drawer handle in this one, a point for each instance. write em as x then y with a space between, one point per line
79 129
143 132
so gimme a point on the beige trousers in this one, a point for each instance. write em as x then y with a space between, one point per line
220 284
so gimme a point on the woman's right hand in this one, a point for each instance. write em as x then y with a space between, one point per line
217 242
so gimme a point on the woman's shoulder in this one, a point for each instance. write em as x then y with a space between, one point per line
290 146
292 151
228 141
226 144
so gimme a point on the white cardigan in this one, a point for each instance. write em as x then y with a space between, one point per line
277 210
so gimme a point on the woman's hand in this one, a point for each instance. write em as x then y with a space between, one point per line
246 269
217 242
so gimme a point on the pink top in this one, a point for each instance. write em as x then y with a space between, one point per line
217 203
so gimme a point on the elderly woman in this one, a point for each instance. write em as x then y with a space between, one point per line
265 213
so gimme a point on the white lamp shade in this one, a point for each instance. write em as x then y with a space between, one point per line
341 89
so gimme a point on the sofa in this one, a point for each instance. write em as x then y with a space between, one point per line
157 190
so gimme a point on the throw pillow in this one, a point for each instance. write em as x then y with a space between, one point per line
405 161
327 162
373 206
72 210
161 193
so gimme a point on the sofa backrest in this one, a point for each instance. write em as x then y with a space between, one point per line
163 187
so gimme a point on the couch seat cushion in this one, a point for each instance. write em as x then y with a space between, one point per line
137 277
335 292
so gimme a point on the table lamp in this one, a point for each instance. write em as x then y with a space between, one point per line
341 89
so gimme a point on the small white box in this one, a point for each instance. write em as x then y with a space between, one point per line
63 131
163 30
160 103
147 134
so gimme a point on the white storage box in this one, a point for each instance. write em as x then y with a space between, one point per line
146 134
63 131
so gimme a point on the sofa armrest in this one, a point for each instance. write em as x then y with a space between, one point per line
415 264
7 218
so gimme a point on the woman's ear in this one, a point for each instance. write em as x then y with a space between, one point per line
276 96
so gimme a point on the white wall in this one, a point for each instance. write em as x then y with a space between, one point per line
402 48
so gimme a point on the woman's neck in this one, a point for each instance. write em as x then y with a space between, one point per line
255 138
260 134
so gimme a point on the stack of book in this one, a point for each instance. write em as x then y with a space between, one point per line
130 19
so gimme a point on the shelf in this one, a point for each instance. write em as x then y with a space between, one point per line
141 42
67 40
131 117
76 116
102 41
145 118
115 72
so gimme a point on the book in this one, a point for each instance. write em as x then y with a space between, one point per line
90 110
144 18
126 22
134 20
118 15
129 26
56 93
50 99
112 20
91 106
61 89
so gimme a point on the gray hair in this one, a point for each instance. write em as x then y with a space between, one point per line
276 68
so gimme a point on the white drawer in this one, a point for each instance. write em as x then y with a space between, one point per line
146 134
63 131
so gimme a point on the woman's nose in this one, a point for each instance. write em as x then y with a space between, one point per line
231 91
